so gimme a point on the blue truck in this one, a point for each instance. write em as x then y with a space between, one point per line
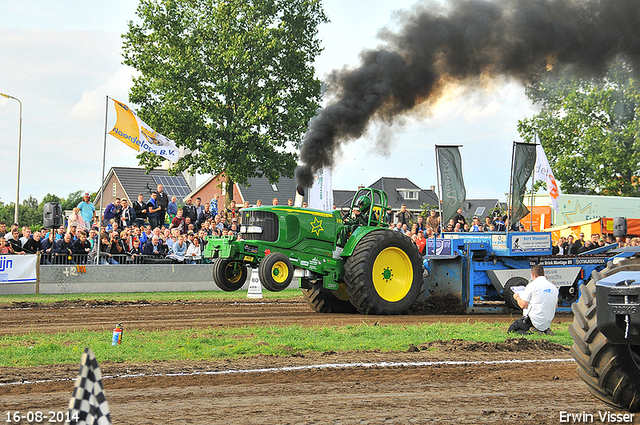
481 268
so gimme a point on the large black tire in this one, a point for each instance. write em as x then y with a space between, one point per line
325 300
384 273
507 293
275 272
611 371
229 275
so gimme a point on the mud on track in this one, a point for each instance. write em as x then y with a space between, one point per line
184 393
177 314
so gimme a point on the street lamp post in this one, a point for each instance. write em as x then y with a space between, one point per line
15 217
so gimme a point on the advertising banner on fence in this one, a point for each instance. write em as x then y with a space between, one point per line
18 268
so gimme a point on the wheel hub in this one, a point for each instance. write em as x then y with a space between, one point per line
279 272
387 274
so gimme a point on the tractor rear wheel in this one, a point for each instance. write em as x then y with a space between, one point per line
229 275
507 293
325 300
384 273
275 272
611 371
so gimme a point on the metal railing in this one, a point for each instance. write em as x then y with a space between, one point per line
47 259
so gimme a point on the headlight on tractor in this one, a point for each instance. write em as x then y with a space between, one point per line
250 229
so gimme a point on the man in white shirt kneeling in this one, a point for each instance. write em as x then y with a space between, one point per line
539 301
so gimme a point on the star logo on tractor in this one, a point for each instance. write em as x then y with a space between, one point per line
316 226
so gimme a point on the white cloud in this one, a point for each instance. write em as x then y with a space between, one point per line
91 106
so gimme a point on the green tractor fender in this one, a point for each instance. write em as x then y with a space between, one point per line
355 237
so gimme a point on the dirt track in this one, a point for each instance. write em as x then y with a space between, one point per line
103 315
501 393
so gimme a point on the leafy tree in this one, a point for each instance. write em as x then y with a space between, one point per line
30 212
425 210
589 129
51 198
231 81
72 200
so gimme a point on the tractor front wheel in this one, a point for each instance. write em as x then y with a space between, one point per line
384 273
229 275
275 272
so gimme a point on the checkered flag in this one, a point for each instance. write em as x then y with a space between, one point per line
88 404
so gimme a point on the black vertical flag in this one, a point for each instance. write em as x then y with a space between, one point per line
523 163
453 191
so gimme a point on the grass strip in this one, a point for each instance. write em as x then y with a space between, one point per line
149 296
215 344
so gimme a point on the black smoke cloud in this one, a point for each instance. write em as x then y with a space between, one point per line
462 41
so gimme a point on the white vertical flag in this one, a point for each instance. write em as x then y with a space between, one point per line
321 193
543 172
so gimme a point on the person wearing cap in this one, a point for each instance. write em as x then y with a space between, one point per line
538 301
87 210
476 226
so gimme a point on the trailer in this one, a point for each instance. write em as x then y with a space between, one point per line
481 268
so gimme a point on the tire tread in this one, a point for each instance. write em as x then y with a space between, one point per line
608 376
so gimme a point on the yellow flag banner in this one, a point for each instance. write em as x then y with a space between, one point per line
136 134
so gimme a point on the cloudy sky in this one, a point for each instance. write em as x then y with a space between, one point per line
62 58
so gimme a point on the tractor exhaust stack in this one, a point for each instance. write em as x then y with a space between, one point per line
299 197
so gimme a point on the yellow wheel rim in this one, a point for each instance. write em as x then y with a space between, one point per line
392 274
232 273
280 272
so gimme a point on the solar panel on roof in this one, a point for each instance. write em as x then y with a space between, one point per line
173 186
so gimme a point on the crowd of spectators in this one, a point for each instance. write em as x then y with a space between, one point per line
572 245
158 230
420 229
143 231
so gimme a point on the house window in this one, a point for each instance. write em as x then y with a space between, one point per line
113 190
224 188
274 187
409 194
480 211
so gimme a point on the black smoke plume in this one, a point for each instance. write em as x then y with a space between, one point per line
463 41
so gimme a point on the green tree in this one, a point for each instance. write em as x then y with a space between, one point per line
425 210
29 213
589 129
231 81
72 200
49 197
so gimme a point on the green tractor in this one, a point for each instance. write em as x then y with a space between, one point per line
357 264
